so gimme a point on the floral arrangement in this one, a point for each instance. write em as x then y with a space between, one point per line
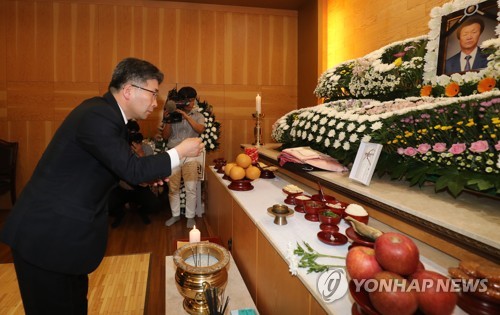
390 72
408 68
455 144
443 129
425 139
211 135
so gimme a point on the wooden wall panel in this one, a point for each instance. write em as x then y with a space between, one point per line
30 41
355 28
56 53
75 42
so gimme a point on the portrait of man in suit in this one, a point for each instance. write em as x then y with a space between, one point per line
470 56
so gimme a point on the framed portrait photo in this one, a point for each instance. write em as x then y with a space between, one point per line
365 162
461 33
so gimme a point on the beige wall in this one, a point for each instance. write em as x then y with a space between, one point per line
54 54
357 27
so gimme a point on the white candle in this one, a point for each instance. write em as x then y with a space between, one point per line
258 103
194 235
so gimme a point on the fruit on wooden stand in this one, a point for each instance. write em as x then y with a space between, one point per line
361 263
252 172
433 297
397 253
243 160
237 173
391 295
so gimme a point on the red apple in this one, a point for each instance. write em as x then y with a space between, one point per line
391 295
396 253
434 299
361 263
420 266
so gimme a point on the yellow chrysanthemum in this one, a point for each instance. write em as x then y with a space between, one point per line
398 62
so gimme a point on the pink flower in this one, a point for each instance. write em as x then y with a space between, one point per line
497 146
423 148
401 151
439 147
410 151
479 146
457 148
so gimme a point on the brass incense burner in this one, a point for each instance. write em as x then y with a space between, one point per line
200 265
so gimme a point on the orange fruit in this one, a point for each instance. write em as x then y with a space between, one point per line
237 172
243 160
227 168
252 172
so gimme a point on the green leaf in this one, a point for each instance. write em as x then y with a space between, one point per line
455 187
481 184
398 171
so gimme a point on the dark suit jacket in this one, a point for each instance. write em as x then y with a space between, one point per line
59 222
453 63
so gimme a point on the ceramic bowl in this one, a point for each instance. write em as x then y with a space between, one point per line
328 219
337 207
328 198
313 207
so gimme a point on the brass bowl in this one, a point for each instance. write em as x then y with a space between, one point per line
280 213
200 265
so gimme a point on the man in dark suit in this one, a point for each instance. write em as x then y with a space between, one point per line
58 228
470 57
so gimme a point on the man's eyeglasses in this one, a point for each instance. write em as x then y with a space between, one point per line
155 93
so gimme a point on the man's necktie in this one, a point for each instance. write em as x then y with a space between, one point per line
467 63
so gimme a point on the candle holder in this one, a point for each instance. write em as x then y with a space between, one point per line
257 130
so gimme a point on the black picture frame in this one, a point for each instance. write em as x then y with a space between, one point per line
448 42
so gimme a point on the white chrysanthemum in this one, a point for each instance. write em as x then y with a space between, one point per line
341 135
336 144
366 138
327 143
361 128
351 127
376 126
332 133
353 138
346 146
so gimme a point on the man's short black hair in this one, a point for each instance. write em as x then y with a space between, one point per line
134 70
187 92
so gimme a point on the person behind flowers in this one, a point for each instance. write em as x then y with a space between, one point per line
191 125
58 228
